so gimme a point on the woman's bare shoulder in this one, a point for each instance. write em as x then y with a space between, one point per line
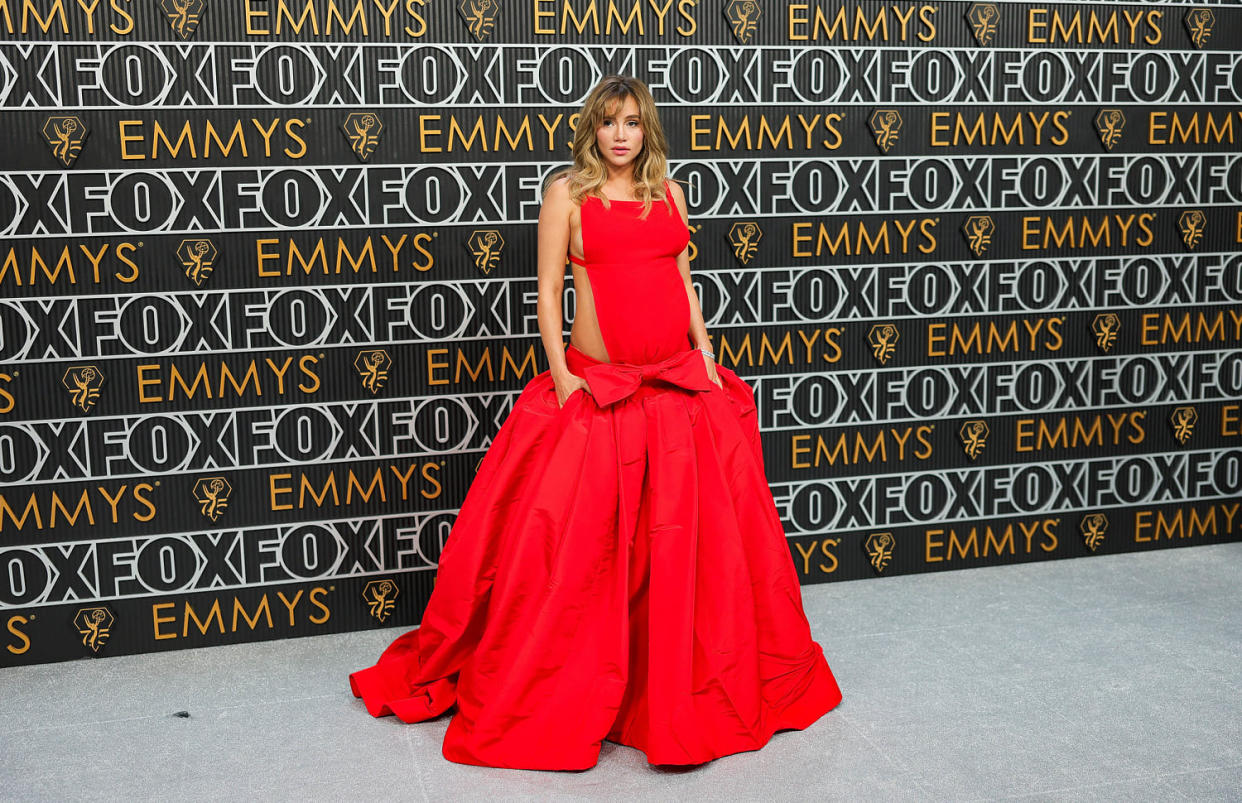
674 189
556 197
558 188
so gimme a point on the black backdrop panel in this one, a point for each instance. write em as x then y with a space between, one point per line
267 285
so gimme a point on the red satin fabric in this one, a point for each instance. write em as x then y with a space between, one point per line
618 568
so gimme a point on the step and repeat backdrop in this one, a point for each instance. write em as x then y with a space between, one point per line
267 284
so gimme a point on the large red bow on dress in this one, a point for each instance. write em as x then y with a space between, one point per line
613 381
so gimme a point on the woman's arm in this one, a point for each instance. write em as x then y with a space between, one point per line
698 330
553 246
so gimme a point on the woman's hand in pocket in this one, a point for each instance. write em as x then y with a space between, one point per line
712 373
566 384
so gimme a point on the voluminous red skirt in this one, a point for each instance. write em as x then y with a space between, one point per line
616 571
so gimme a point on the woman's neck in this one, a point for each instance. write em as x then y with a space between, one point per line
620 176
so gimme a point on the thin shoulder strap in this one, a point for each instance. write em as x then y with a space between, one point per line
668 193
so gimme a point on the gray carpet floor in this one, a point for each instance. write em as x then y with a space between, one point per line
1109 678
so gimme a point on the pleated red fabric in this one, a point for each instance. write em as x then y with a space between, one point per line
618 569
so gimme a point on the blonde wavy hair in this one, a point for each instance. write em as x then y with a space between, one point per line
589 171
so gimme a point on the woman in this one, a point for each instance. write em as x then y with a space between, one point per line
618 568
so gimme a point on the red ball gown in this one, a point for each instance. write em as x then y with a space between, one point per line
618 569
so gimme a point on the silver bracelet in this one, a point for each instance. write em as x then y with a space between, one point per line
708 353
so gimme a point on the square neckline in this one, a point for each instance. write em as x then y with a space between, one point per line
667 194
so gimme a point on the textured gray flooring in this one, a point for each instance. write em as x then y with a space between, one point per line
1109 678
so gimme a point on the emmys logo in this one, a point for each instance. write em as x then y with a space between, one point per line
212 494
362 129
743 17
885 125
198 257
883 340
95 625
974 435
744 238
381 597
183 15
1183 420
1108 124
1093 526
83 384
479 16
1105 328
879 548
65 135
484 246
978 230
1199 22
1191 224
983 19
372 365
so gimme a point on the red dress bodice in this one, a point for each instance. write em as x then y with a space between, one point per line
640 298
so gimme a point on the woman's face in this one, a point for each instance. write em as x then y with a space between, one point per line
620 135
